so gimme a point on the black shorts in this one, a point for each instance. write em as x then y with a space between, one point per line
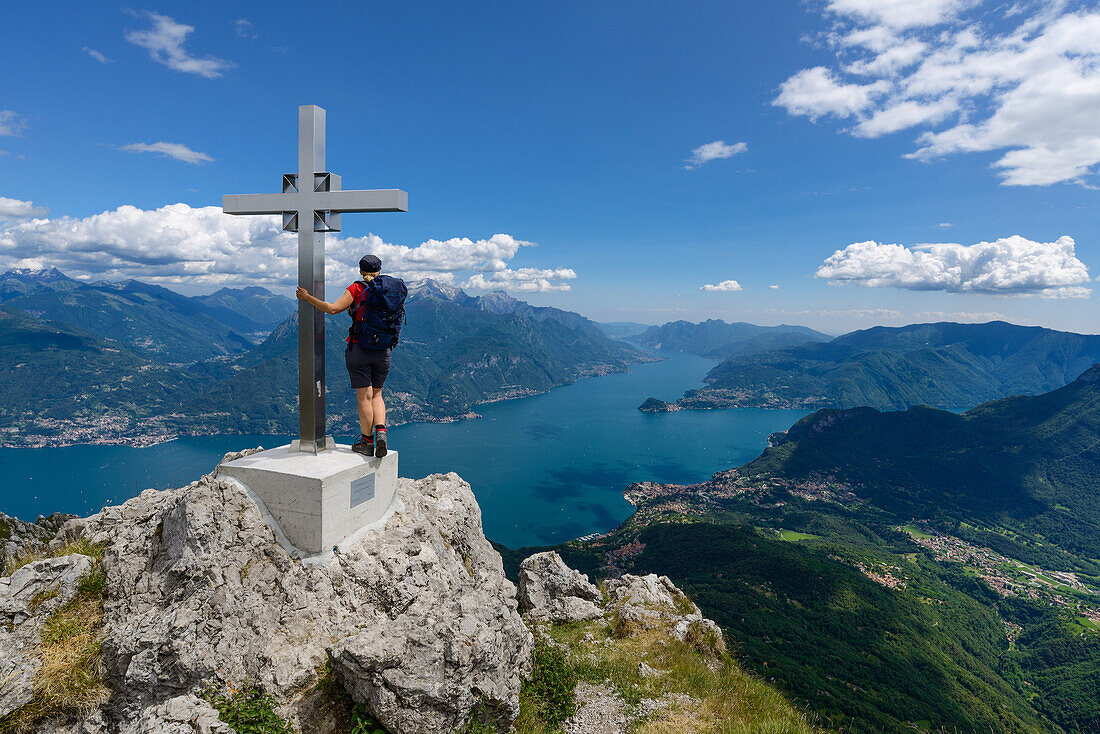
367 367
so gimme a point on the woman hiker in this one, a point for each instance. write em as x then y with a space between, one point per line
368 354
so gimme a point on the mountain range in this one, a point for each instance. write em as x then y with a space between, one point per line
720 340
946 365
145 363
456 351
150 320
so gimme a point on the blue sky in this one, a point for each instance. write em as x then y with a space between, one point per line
573 126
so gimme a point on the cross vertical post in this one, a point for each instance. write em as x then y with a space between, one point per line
311 276
311 203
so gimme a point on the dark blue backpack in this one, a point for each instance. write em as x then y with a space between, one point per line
377 318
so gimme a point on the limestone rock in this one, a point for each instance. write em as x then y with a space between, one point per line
187 714
452 638
654 602
417 618
27 598
18 536
549 589
182 715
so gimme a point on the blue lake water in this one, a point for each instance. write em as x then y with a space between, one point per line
545 469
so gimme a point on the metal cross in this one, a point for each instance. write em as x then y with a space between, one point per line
311 204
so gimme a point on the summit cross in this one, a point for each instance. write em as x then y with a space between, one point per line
311 204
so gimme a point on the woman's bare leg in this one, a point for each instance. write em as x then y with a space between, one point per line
378 407
365 397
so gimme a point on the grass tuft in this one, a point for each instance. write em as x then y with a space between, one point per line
708 691
70 678
42 597
83 546
548 695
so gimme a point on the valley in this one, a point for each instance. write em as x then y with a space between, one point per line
912 570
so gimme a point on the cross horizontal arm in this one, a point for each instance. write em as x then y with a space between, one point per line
372 200
258 203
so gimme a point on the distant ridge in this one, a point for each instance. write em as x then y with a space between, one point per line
719 339
946 365
151 320
1030 461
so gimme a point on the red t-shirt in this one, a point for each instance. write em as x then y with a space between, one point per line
356 290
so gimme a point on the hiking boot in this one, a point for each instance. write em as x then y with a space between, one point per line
380 442
365 445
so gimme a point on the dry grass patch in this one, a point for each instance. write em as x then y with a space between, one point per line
731 701
709 692
70 679
71 676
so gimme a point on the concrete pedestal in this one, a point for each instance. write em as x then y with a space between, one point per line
317 501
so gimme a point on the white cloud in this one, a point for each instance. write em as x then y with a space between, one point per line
29 263
1027 85
815 93
945 225
725 285
435 256
178 151
528 280
774 287
1009 266
12 123
178 244
899 13
904 115
16 209
714 151
164 42
97 55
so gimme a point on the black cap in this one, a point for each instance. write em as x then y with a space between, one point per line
370 264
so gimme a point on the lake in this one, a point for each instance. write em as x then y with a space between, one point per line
545 469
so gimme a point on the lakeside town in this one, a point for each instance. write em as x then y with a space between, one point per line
1005 576
651 499
1008 576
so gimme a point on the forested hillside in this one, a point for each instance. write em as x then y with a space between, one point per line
944 365
149 320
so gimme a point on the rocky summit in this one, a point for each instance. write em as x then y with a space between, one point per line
416 621
178 612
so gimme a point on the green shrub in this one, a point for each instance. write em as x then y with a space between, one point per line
248 710
705 639
479 723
